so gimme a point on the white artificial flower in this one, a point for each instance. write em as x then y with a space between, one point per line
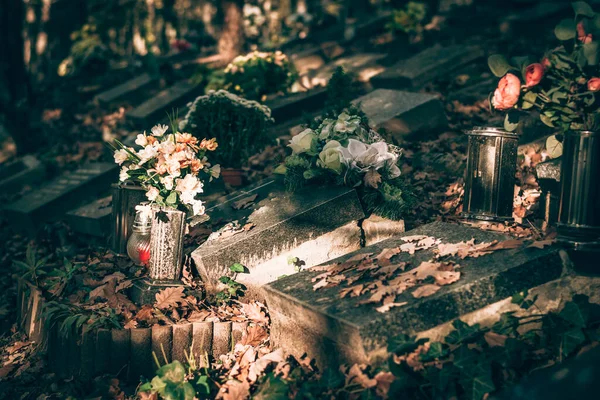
187 197
166 147
121 156
173 167
123 174
303 142
152 193
141 140
197 207
346 123
159 130
147 153
361 156
325 129
215 171
189 184
167 181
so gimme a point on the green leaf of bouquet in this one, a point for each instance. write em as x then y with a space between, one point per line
510 125
281 169
554 147
565 30
591 51
237 267
498 65
172 198
546 120
583 8
529 99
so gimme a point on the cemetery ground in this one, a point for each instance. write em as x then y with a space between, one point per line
303 296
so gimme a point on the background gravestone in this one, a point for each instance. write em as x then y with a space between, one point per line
338 330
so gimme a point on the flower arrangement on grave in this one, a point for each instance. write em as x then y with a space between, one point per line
239 125
409 20
258 74
172 167
562 86
87 54
346 151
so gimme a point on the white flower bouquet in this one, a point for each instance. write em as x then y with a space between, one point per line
346 151
169 167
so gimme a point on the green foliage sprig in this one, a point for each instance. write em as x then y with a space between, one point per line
233 289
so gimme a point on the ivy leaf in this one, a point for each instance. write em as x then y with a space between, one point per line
437 350
465 358
482 384
462 332
570 340
239 268
173 372
576 314
273 388
331 378
565 30
498 65
583 8
507 324
440 378
402 344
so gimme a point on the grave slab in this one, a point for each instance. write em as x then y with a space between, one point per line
125 89
335 330
314 224
28 170
426 66
92 219
156 108
295 104
364 65
403 113
67 191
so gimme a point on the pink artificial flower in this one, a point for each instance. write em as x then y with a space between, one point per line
583 38
508 92
533 74
593 84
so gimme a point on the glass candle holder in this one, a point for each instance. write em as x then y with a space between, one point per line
138 245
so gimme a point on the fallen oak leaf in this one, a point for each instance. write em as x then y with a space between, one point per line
540 244
425 290
254 335
169 297
383 258
356 375
494 339
255 313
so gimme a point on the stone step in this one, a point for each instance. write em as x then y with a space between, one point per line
26 170
337 330
426 66
314 224
403 113
60 195
125 89
155 109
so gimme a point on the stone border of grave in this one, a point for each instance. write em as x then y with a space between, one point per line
125 352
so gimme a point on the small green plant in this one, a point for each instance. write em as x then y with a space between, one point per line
297 263
32 269
239 126
59 278
409 20
170 383
71 318
234 290
258 74
88 54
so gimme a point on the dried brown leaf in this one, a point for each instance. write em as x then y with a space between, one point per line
425 290
169 297
386 307
254 335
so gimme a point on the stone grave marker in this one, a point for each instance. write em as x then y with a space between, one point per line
364 65
294 105
403 113
314 225
337 330
426 66
156 108
27 170
65 192
92 219
125 89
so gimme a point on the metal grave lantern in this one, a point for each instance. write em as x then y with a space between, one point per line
490 175
125 198
579 215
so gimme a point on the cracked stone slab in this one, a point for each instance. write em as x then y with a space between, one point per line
125 89
335 330
314 224
426 66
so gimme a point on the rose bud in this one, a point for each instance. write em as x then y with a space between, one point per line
507 93
593 84
533 74
583 38
546 63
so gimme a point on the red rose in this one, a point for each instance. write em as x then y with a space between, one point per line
593 84
508 92
583 38
546 63
533 74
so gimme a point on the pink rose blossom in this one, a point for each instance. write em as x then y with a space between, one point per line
508 92
533 74
593 84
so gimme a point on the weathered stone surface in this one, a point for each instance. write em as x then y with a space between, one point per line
92 219
182 341
125 89
237 330
88 354
377 229
103 350
203 336
294 104
156 108
162 342
364 65
426 66
60 195
314 224
338 330
549 169
140 359
402 113
28 170
221 338
119 352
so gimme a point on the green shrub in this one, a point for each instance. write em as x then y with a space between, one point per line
239 125
258 74
88 54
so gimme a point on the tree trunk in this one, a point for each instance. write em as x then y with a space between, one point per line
15 102
231 40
